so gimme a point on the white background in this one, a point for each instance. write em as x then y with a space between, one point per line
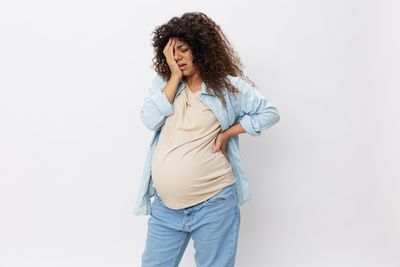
324 180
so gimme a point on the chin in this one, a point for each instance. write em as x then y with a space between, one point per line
187 72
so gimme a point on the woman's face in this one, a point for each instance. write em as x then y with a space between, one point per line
183 56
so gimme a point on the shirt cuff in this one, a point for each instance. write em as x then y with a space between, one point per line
250 124
162 102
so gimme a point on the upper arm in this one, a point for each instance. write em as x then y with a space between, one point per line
156 106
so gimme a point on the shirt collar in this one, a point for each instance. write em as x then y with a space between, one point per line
181 86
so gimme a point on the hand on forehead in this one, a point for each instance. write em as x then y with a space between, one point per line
177 41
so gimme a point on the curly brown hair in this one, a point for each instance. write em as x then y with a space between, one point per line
212 53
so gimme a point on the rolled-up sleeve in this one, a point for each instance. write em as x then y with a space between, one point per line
256 112
156 107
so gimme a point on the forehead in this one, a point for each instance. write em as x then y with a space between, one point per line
179 43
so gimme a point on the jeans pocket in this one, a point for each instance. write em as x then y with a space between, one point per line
222 196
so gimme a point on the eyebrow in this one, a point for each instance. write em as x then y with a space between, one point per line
180 45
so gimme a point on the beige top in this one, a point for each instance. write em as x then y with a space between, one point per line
185 171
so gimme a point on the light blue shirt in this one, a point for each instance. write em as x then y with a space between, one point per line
250 108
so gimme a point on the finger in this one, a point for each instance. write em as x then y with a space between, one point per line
173 46
171 54
169 43
167 46
169 50
216 149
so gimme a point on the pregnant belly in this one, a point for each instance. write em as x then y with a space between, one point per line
177 172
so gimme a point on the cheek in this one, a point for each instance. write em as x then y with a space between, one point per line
189 57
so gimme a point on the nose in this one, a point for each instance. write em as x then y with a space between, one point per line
177 55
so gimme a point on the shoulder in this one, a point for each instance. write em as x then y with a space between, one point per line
159 79
241 84
157 83
244 87
234 80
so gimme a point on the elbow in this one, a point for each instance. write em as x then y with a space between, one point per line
150 124
255 124
276 117
267 120
154 113
272 116
250 124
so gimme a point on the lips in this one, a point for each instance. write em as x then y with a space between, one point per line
182 66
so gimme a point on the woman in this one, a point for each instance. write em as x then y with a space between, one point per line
197 106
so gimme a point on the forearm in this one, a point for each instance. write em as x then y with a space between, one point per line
171 87
235 129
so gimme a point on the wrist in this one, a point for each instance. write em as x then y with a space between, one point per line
176 78
235 129
226 134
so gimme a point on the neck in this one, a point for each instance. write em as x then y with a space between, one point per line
193 80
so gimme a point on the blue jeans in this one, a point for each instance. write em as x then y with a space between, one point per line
213 224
